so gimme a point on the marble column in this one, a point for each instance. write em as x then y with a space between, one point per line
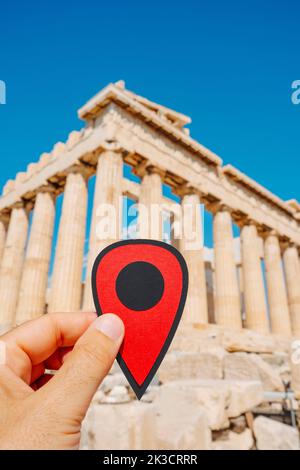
2 238
106 222
292 274
150 214
32 300
66 286
254 290
12 265
191 246
277 296
227 298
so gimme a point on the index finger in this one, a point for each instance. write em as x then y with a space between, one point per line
36 340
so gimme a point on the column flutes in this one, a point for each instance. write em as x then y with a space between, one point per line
227 298
66 288
191 246
32 300
107 211
12 264
2 238
150 223
292 274
277 296
254 290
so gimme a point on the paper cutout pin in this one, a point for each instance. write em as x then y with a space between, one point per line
145 283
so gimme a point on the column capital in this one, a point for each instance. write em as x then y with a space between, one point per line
253 223
283 240
266 232
20 204
25 204
152 169
241 218
186 190
219 206
47 188
112 145
285 244
80 168
147 168
4 218
248 221
57 184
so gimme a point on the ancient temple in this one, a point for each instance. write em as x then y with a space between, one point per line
246 288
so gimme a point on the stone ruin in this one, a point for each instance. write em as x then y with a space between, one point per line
231 379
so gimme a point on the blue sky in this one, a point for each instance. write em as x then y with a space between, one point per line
229 65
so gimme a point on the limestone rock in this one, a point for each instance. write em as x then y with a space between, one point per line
202 365
270 377
99 397
238 425
180 424
222 399
197 338
291 405
150 394
243 366
234 441
194 436
244 395
119 394
282 343
129 426
276 407
239 366
86 425
272 435
296 379
191 394
276 359
280 361
285 373
201 337
247 341
112 381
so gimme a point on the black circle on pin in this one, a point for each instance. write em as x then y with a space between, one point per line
140 286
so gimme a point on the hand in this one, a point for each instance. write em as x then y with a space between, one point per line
39 413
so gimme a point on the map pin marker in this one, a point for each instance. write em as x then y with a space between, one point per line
145 283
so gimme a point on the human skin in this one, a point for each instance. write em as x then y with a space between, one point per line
41 411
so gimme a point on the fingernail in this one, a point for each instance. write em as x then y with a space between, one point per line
110 325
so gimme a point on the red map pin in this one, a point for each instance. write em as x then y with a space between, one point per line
145 283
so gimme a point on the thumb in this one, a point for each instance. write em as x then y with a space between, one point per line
74 386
